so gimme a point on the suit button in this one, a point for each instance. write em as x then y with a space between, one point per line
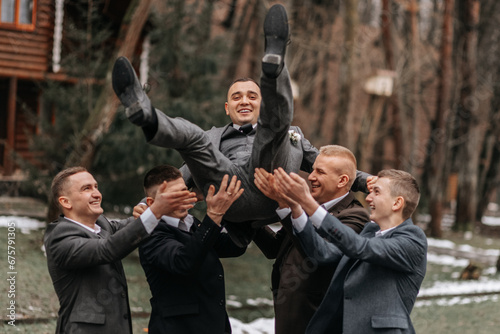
220 277
123 295
221 303
125 316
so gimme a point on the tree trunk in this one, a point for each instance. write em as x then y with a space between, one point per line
469 130
490 158
104 111
369 133
249 17
437 145
393 106
351 21
412 70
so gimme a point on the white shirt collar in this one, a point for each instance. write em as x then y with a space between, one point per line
380 233
328 205
237 127
174 222
95 230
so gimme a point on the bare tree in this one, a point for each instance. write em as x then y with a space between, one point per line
412 85
351 22
469 133
248 29
393 107
435 167
103 113
489 173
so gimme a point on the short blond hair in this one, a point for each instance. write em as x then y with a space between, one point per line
61 180
403 184
342 152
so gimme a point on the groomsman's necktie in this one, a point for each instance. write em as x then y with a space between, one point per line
246 128
183 226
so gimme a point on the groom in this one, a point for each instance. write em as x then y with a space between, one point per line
270 142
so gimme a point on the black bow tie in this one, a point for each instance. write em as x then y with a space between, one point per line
246 128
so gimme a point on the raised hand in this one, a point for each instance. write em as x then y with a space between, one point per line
139 210
218 204
265 182
370 182
296 188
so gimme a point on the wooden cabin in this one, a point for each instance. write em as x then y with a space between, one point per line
31 38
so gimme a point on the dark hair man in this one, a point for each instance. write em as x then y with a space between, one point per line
84 250
181 260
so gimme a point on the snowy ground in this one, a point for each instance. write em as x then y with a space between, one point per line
447 291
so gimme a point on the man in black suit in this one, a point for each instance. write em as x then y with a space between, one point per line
181 260
299 282
84 250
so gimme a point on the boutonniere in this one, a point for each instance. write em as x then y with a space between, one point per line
294 136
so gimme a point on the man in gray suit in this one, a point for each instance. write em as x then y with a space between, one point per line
379 272
210 155
84 250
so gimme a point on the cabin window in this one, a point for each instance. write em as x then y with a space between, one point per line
17 14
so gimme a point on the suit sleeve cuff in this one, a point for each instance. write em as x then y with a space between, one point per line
318 216
282 213
300 222
149 220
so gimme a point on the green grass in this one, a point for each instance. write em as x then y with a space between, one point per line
247 277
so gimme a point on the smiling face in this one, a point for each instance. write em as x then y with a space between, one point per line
243 102
382 203
80 199
327 182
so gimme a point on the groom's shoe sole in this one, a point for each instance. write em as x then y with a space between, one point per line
276 37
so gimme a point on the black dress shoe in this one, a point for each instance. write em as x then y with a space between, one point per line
129 90
276 34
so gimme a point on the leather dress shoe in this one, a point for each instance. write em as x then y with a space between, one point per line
130 92
276 37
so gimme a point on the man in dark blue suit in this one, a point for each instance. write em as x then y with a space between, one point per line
379 272
181 260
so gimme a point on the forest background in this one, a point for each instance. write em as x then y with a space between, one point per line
407 84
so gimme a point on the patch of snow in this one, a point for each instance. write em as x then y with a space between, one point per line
440 243
491 221
483 285
446 260
24 224
456 301
259 301
258 326
234 303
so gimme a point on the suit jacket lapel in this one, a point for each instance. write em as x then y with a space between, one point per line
215 134
117 265
348 263
343 204
89 233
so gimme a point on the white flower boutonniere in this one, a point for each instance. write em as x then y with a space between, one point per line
294 137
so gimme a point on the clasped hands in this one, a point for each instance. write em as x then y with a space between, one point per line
291 190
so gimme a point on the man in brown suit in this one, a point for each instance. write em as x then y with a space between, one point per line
299 283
